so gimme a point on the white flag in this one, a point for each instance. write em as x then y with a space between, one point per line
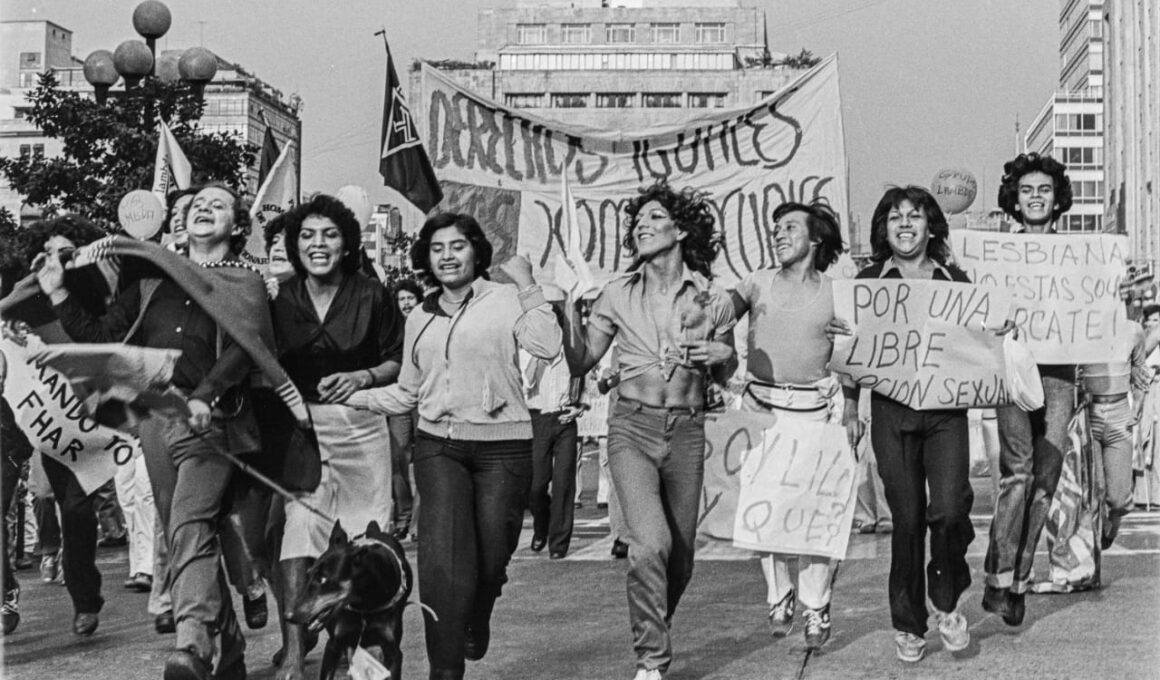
278 193
572 271
171 169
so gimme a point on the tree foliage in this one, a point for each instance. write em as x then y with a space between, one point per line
110 149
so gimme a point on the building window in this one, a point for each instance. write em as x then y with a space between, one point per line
1081 223
21 112
620 33
569 100
28 79
710 34
1081 158
30 60
576 34
530 34
615 100
25 150
706 100
666 34
38 151
1078 122
662 100
1087 191
524 100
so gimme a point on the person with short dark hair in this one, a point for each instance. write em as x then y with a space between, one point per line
473 452
674 333
923 456
789 308
1035 191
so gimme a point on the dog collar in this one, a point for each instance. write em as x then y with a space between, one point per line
402 591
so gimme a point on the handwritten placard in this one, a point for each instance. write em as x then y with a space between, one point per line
140 214
927 344
729 437
796 491
1065 289
54 419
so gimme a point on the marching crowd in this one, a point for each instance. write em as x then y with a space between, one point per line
481 384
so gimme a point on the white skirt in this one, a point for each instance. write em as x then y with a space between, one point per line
356 480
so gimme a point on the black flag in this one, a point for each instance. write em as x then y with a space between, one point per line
403 162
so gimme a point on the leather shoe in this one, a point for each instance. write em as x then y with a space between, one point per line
557 554
235 671
1018 609
86 624
164 624
619 549
476 638
1005 603
184 664
256 611
141 583
538 543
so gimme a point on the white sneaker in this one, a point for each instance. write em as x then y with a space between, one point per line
910 648
648 674
952 628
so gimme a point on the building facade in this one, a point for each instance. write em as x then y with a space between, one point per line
236 102
1132 124
1070 126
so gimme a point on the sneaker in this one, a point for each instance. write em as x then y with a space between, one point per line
910 648
49 568
648 674
10 610
781 615
817 627
952 628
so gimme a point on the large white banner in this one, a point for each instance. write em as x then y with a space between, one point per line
504 167
797 491
1065 290
927 344
53 418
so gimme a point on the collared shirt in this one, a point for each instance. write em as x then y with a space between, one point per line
888 269
701 312
362 329
172 320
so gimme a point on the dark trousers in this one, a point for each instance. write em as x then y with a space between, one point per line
47 526
917 450
553 464
1031 447
78 523
474 494
402 429
9 476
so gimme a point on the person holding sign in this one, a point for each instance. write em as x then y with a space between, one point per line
916 450
1035 191
672 328
786 374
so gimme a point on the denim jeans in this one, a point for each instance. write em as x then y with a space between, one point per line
1031 447
402 429
919 451
474 494
554 458
657 462
1111 431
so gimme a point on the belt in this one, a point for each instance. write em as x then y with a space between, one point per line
660 410
784 386
1107 398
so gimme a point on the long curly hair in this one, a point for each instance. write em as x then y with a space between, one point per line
320 205
937 247
1024 164
692 214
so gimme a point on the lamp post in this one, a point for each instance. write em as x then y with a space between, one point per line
134 60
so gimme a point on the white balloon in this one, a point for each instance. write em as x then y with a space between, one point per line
355 198
954 189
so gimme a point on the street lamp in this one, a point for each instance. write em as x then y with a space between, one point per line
134 60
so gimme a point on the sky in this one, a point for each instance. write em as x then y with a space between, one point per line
926 84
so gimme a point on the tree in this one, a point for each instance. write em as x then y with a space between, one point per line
109 149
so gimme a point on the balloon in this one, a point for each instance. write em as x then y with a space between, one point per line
140 214
954 189
355 198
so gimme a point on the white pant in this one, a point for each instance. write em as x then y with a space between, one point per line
136 498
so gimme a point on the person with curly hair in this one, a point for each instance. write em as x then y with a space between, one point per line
337 332
674 332
1035 192
786 374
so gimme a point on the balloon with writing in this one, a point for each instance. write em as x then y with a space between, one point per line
140 214
954 189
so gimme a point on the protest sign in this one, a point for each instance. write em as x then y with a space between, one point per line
927 344
729 437
54 419
1065 289
797 491
505 167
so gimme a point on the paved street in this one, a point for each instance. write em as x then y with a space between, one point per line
568 620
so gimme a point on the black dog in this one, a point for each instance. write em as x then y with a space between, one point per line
357 591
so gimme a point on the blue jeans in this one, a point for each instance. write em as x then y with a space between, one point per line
1031 447
474 494
657 461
